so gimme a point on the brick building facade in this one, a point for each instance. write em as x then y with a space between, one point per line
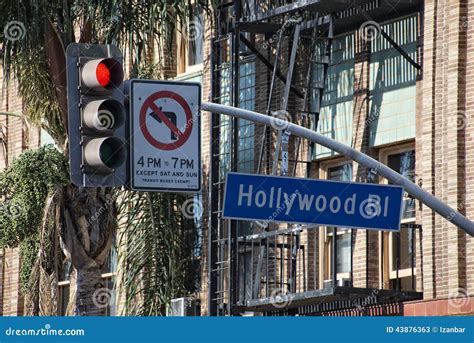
16 135
417 121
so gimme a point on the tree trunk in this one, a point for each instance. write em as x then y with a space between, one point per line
91 296
88 226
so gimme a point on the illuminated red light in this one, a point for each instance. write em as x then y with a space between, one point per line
103 74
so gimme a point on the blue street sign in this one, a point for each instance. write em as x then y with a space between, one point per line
309 201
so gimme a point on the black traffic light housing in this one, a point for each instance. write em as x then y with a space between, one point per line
97 117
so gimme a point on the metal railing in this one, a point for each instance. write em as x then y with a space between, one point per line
270 264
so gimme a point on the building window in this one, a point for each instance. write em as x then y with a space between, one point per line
246 142
109 285
404 164
398 248
195 36
339 171
246 127
109 272
190 42
198 224
63 297
336 110
45 138
392 85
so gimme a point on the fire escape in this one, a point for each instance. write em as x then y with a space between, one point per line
271 270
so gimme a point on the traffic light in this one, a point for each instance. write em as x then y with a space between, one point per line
96 115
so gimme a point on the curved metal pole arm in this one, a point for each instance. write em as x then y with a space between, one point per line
411 188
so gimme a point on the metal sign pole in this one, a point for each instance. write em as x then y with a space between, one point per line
411 188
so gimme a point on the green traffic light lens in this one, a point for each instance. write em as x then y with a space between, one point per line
112 152
107 155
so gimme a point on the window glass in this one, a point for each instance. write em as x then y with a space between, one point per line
195 35
404 163
110 265
246 142
246 132
246 128
392 100
402 251
336 108
198 213
404 256
245 275
342 173
344 252
65 272
63 299
111 308
45 138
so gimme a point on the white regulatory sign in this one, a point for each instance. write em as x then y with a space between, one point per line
165 136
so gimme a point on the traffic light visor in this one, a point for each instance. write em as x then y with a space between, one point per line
102 74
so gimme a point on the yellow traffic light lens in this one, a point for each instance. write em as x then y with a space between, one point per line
106 119
103 115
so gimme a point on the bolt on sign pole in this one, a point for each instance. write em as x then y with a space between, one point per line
411 188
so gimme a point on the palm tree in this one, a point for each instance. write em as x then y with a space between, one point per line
36 33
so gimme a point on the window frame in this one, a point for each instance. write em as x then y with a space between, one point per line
183 69
226 123
373 91
328 103
109 275
387 268
325 237
111 309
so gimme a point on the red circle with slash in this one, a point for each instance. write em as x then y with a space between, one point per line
150 104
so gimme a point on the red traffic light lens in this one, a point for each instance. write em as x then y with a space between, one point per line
103 74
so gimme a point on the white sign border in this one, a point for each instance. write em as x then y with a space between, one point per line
248 219
131 143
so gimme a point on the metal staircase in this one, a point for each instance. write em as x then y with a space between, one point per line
309 114
225 248
222 233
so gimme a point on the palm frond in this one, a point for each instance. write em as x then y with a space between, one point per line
155 250
132 25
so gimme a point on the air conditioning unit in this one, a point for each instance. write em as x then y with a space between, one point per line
344 282
183 307
327 284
